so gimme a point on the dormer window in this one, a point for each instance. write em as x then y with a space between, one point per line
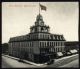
61 37
57 38
53 37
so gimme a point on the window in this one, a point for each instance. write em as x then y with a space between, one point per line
33 36
30 50
36 29
31 44
50 44
42 44
58 49
61 49
45 44
61 37
22 44
54 49
40 36
51 49
61 43
42 28
27 44
46 36
56 43
57 37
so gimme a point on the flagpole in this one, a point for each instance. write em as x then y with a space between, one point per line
39 7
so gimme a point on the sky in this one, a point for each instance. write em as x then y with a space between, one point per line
62 18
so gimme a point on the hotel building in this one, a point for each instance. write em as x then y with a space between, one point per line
39 45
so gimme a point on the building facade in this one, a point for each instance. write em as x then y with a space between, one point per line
5 48
71 45
39 45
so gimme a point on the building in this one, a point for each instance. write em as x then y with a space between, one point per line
39 45
71 45
5 48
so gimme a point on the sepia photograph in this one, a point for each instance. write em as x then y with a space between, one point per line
40 35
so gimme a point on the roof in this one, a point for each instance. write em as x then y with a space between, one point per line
32 36
18 38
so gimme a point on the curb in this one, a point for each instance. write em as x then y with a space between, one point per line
24 60
10 57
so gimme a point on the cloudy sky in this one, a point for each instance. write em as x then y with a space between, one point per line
62 17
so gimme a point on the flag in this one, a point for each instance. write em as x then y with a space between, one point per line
43 7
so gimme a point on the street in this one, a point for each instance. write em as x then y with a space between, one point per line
73 64
11 63
69 61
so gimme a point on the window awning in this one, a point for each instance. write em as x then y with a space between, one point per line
59 54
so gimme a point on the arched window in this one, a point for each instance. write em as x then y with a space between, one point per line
42 28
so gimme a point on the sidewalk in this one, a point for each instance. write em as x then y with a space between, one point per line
55 60
10 57
65 57
24 60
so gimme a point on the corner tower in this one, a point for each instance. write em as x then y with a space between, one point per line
39 25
